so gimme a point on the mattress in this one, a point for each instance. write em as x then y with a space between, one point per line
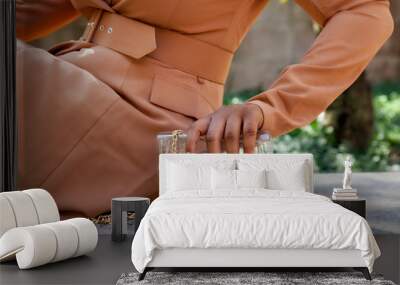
251 219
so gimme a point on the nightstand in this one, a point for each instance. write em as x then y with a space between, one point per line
357 206
119 214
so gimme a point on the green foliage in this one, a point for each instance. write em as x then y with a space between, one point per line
237 97
387 88
383 153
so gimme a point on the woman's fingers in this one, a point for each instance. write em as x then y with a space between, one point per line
249 132
196 130
232 133
215 132
229 123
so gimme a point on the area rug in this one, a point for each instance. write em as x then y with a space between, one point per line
244 278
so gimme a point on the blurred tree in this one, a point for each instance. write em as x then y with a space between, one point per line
352 115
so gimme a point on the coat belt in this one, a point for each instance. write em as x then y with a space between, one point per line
136 39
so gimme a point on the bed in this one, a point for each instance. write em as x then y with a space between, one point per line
247 211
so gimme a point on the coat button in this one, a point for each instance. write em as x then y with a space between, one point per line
200 80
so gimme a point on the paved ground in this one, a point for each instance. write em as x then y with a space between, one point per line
381 190
110 260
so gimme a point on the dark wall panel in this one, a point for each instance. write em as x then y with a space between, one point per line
8 141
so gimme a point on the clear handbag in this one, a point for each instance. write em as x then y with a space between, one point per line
175 142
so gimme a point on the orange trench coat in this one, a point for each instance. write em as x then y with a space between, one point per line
90 111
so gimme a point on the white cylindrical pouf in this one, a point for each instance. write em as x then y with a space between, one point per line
67 239
23 208
87 234
46 207
7 218
40 244
33 246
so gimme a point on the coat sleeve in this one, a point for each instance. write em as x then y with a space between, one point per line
353 31
35 19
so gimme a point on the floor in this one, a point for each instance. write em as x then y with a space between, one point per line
103 266
110 260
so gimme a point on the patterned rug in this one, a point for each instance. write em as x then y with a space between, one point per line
243 278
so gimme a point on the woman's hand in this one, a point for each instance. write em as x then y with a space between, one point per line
224 128
38 18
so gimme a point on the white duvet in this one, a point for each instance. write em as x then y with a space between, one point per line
250 218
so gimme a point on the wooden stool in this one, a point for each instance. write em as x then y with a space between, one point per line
357 206
119 214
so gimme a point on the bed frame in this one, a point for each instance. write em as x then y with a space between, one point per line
236 259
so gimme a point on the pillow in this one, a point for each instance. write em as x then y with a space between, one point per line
293 179
223 179
204 160
251 178
228 179
182 177
281 174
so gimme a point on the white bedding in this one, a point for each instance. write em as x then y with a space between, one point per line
251 218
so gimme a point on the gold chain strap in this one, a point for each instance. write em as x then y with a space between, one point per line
174 141
105 219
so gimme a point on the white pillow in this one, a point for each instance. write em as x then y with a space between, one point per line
183 177
281 175
223 179
228 179
251 178
293 180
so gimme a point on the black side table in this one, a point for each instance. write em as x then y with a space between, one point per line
119 214
357 206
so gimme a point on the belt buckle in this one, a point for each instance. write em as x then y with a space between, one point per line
92 25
